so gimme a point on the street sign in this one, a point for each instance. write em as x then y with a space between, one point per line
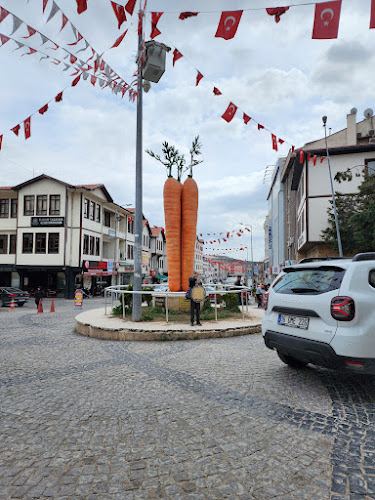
78 299
110 266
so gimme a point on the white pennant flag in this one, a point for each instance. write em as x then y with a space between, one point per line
20 45
16 23
101 82
54 11
67 66
85 76
43 57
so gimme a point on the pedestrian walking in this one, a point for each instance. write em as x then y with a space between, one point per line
39 293
195 307
239 283
259 294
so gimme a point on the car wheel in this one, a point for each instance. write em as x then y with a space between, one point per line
290 361
20 304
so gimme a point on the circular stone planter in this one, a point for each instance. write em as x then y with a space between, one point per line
95 324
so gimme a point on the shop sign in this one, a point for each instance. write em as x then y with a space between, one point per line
78 298
47 221
110 266
145 259
111 232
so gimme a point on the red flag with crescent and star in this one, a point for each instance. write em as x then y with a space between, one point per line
228 24
326 20
16 129
155 16
277 12
199 78
26 125
1 140
185 15
274 142
230 112
81 5
176 55
119 11
129 7
43 109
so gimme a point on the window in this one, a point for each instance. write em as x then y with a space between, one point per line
130 252
87 208
28 205
85 244
27 242
40 243
97 246
12 243
4 209
54 204
41 204
371 278
311 281
107 219
13 208
92 241
92 210
53 243
3 243
370 167
130 226
97 216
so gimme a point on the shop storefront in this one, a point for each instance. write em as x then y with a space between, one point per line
126 273
96 276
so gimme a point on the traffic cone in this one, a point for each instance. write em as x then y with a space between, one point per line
52 307
12 305
40 307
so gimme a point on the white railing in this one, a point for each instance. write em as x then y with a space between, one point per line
116 291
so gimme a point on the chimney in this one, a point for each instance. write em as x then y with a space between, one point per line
351 130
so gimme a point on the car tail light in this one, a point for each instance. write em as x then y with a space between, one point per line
342 308
12 295
265 301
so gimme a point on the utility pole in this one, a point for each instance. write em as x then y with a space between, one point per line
137 284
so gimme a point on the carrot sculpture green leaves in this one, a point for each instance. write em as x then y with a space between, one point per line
181 212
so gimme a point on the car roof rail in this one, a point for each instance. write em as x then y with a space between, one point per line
317 259
364 256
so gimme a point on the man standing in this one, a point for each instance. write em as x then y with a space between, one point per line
259 294
38 296
195 307
239 283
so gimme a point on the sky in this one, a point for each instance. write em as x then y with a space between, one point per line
275 72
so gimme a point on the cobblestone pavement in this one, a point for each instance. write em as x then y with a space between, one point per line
83 418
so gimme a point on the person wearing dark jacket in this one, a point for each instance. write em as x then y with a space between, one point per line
238 283
38 295
195 307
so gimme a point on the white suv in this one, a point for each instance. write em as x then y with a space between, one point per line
323 312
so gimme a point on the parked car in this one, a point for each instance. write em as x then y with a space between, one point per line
8 293
322 312
209 289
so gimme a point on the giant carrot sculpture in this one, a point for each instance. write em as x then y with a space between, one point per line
181 212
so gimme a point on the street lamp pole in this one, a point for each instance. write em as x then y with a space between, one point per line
137 284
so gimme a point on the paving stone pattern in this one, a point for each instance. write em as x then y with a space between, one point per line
83 418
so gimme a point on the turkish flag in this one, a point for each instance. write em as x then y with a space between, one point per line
43 109
3 14
308 157
155 16
372 18
1 140
327 19
81 6
260 126
76 80
64 21
129 7
277 12
314 160
246 118
185 15
321 159
230 112
31 31
59 97
119 11
274 142
44 4
176 55
26 125
4 39
199 78
228 24
217 91
16 129
293 148
301 153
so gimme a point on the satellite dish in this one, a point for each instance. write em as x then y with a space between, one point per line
353 111
368 113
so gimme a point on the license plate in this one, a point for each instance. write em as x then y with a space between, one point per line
293 321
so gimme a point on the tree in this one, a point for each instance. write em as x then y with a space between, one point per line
356 216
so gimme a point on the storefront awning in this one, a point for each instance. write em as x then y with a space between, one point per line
161 277
98 272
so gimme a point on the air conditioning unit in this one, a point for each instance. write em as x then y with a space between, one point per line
359 135
372 140
371 132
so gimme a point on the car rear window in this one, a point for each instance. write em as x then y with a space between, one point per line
309 281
